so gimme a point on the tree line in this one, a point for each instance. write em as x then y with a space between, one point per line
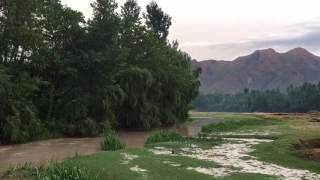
63 75
294 99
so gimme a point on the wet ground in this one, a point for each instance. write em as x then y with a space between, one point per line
234 157
41 152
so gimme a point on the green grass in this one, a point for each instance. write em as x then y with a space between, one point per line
111 143
111 165
203 143
54 171
236 122
281 151
163 136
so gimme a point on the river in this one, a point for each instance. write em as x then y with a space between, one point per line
41 152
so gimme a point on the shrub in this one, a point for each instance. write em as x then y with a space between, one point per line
111 143
163 136
88 128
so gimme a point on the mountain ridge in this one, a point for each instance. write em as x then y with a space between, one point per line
262 69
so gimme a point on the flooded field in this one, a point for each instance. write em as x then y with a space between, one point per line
234 157
41 152
231 146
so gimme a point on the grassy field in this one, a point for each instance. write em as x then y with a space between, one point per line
266 142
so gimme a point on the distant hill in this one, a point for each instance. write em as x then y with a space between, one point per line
263 69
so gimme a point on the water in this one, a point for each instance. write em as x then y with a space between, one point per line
41 152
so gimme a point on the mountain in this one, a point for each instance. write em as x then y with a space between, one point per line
263 69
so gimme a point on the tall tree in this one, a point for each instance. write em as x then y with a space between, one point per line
158 21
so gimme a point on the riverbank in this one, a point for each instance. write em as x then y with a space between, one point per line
41 152
238 146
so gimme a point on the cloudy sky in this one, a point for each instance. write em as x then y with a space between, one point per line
226 29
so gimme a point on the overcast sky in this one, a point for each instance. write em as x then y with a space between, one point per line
226 29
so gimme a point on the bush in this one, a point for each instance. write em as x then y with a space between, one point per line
163 136
111 143
19 122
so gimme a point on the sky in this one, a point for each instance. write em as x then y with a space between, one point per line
226 29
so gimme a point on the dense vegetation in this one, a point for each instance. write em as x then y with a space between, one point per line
61 74
295 99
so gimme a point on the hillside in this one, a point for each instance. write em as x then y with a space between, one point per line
263 69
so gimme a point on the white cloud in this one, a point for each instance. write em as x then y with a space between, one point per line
204 28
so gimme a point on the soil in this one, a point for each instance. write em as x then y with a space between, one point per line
311 148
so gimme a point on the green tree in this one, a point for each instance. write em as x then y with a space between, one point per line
158 21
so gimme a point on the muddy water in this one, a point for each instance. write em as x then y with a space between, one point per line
41 152
192 129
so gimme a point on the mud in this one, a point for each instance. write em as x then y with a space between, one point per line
311 148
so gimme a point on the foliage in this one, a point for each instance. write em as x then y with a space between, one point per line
163 136
296 99
54 171
158 21
70 76
111 143
18 116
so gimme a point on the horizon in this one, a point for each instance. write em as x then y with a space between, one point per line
217 30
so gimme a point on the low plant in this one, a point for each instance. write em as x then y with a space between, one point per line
111 142
55 171
163 136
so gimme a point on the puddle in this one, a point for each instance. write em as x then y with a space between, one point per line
137 169
173 164
216 172
192 129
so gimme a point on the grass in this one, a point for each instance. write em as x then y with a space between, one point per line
111 143
108 165
281 151
231 125
112 165
163 136
54 171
